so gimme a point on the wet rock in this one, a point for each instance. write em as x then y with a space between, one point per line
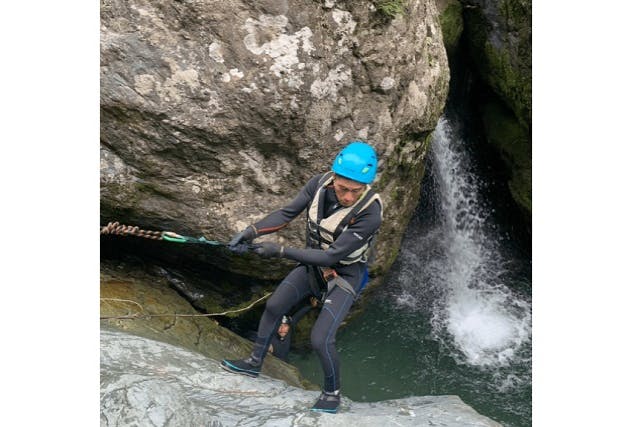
129 295
500 44
150 383
498 34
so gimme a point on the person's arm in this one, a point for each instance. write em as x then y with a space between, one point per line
282 217
278 219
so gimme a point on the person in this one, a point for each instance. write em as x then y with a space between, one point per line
281 341
343 215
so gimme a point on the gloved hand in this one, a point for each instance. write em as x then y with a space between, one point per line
246 235
269 250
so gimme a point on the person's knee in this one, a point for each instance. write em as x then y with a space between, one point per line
320 339
273 307
317 341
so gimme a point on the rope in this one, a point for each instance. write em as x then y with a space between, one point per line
144 316
128 230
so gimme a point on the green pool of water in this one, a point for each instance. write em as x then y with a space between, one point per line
388 353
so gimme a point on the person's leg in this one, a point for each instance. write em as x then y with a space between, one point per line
323 339
290 291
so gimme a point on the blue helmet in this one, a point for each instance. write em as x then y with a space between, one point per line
357 161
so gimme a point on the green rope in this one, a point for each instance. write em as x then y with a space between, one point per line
126 230
177 238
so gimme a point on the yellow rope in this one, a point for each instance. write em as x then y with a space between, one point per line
139 315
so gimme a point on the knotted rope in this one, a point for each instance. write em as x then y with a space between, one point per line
128 230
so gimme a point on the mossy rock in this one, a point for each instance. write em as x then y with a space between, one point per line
451 22
390 8
513 142
130 293
503 57
400 182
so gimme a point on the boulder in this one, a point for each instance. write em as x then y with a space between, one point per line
149 383
215 113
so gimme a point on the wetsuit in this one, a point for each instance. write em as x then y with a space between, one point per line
297 285
281 346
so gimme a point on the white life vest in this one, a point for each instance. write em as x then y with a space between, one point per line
322 232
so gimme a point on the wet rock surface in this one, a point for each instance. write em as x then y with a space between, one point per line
150 383
127 295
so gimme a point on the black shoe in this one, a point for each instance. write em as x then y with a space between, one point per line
328 402
246 367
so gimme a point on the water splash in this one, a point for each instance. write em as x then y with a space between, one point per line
455 270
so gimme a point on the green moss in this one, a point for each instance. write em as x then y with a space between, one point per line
512 141
427 142
511 83
391 258
390 8
506 70
520 187
452 25
400 181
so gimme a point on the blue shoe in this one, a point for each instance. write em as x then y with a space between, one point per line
245 367
328 402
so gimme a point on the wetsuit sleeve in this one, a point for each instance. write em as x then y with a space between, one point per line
365 225
279 219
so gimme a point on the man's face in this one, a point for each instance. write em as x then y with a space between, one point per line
283 330
347 191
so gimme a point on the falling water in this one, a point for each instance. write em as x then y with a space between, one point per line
454 268
460 273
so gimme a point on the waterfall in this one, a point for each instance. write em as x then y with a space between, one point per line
455 268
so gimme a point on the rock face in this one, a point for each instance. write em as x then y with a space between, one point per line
500 38
497 35
500 42
451 22
140 294
149 383
215 113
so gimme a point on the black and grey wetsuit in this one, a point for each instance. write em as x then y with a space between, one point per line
297 285
281 346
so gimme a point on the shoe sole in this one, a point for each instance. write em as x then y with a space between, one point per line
230 368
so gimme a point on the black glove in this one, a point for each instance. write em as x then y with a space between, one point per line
269 250
247 235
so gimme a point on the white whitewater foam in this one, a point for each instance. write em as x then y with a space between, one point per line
457 270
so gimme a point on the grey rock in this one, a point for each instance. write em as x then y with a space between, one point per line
149 383
215 113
